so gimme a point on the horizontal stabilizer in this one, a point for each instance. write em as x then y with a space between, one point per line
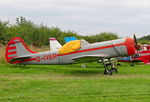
19 58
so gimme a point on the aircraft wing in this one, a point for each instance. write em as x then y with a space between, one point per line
19 58
147 62
89 58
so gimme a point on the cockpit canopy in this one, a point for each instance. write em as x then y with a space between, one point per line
72 46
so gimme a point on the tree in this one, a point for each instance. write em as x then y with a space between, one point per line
145 40
38 35
3 29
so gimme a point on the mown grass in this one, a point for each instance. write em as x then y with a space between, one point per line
70 83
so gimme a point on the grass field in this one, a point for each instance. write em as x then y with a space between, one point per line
70 83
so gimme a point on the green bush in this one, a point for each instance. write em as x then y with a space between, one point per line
38 35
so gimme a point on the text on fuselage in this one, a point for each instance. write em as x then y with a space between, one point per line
46 57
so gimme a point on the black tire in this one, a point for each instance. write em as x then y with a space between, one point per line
114 70
118 64
107 72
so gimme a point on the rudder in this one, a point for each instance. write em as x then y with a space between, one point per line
15 48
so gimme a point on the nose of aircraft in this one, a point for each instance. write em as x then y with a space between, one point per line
131 46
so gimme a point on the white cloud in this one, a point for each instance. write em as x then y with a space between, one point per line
83 16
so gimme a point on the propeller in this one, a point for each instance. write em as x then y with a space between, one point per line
137 45
135 40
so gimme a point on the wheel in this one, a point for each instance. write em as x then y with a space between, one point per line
107 72
118 64
114 70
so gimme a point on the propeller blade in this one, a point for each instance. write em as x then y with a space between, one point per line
137 45
135 40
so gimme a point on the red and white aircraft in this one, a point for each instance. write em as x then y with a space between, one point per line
143 54
76 51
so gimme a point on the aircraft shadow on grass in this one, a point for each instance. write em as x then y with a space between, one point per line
73 70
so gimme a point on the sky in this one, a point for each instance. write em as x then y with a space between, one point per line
86 17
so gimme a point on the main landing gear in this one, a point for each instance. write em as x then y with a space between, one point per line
110 64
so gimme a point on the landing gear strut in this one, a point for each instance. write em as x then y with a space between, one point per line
108 71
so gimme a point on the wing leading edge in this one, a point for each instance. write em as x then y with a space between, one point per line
89 58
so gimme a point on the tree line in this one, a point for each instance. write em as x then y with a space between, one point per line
145 40
38 35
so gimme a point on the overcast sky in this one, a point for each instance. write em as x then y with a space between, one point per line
86 17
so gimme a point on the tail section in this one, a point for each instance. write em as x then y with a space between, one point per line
54 44
15 48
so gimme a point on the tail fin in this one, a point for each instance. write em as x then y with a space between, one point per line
54 44
15 48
